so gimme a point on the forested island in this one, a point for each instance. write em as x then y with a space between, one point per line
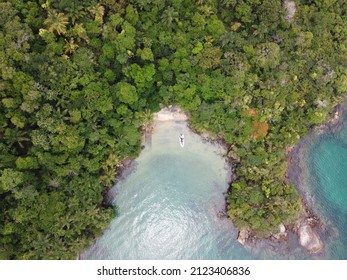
80 80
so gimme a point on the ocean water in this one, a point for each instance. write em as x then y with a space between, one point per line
169 202
326 182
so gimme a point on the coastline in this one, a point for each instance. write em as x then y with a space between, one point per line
309 221
295 154
128 164
277 242
165 130
125 167
309 230
296 174
175 113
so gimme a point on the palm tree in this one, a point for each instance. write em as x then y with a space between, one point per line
98 11
75 11
227 38
159 3
79 31
146 119
169 15
108 177
209 40
56 22
61 114
206 10
109 169
140 4
111 162
46 5
70 46
42 245
14 136
228 3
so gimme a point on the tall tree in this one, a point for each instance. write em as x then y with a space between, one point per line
56 22
169 16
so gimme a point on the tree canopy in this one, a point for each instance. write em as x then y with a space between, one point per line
77 77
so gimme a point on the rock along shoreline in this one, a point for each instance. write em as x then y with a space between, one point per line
309 228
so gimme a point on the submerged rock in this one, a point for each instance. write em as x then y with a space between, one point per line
222 215
309 239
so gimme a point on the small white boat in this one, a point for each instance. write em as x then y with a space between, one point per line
181 140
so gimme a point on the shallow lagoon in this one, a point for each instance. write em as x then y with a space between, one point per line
169 203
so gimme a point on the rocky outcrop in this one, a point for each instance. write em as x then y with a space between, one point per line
243 236
282 229
308 238
222 215
281 235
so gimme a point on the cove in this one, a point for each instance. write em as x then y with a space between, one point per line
325 175
170 198
169 203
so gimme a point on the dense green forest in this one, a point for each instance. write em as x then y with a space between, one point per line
79 79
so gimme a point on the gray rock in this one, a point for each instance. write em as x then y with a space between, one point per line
282 234
243 236
309 239
282 228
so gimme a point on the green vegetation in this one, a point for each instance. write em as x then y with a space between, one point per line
78 80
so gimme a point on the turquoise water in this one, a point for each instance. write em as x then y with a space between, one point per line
168 206
326 181
169 203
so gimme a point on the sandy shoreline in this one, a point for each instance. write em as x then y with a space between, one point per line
167 114
171 113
